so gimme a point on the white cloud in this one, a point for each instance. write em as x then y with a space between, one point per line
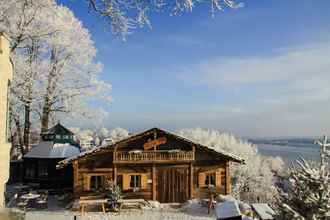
291 92
292 66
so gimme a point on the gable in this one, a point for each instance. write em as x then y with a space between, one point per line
173 142
153 139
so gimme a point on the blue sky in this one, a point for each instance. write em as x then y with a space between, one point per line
262 70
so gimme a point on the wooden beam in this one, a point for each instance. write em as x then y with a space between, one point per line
75 175
194 152
191 181
228 179
154 183
115 174
152 161
210 168
155 137
95 169
114 154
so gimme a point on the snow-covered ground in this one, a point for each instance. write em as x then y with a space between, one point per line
192 210
127 215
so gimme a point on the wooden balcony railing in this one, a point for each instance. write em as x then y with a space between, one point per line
153 157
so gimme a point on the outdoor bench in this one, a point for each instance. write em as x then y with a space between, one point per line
83 203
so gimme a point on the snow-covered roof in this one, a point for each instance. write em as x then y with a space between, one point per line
226 210
104 147
47 149
263 211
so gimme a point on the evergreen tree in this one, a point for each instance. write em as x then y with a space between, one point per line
308 196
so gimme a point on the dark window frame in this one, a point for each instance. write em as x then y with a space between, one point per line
43 169
135 181
210 179
97 182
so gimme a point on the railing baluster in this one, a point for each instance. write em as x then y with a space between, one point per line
154 155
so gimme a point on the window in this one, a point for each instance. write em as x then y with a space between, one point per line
210 179
42 169
30 170
135 181
97 183
58 136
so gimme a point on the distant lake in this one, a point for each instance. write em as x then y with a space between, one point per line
289 150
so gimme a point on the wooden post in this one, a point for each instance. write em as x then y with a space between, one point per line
115 155
228 179
155 137
191 184
75 166
154 179
194 149
115 174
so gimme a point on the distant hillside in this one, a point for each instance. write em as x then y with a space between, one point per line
294 142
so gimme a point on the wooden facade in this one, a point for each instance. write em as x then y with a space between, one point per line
154 165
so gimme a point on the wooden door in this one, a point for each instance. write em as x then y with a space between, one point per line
172 185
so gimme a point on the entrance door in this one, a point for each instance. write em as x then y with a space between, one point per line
172 185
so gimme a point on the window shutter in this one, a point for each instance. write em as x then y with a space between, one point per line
86 183
126 181
201 179
218 178
144 181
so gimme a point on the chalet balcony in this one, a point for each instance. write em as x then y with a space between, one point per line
154 156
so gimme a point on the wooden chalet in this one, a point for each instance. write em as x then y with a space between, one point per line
39 164
153 165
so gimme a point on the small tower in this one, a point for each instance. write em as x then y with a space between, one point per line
40 162
58 134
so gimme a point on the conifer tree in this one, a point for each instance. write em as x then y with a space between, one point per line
308 196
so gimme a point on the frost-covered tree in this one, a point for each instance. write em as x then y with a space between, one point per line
253 181
23 20
99 137
103 133
86 138
117 134
26 24
123 15
308 196
72 78
55 73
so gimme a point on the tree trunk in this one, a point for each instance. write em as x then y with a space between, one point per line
19 136
46 109
45 115
27 125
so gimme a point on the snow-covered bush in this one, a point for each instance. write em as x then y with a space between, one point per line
252 182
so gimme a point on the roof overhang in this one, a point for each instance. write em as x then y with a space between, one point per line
223 154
